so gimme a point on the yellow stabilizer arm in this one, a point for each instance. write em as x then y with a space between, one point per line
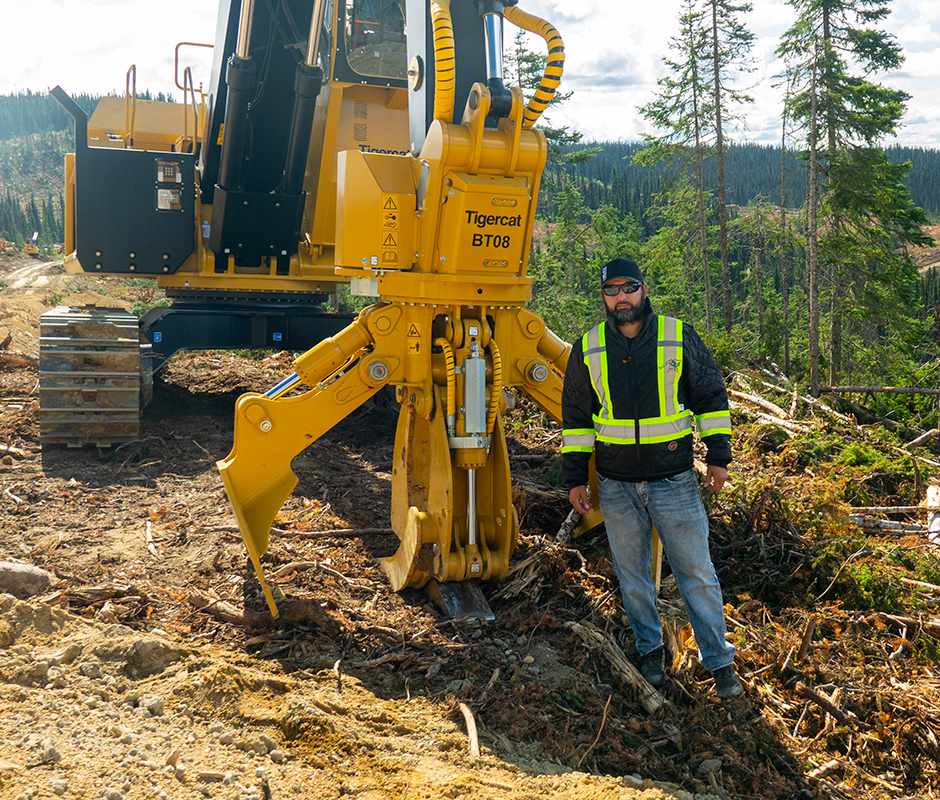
270 432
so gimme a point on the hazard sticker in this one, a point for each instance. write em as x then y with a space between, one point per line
390 202
390 221
414 346
414 331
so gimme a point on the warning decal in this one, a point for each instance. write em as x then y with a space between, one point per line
389 203
414 330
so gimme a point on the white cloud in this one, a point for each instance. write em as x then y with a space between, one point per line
614 53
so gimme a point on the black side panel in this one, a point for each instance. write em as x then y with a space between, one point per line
255 224
134 210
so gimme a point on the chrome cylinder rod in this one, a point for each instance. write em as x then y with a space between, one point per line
493 30
472 507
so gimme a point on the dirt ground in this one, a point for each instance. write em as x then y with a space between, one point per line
117 683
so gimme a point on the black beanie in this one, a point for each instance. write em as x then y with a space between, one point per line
621 268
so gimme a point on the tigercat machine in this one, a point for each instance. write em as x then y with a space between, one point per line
441 234
372 142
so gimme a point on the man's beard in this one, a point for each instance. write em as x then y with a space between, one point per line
625 314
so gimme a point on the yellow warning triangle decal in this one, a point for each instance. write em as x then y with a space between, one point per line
390 205
413 330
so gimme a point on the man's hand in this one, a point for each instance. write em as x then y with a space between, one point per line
578 497
715 478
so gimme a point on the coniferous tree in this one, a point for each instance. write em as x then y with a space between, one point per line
730 44
831 52
679 113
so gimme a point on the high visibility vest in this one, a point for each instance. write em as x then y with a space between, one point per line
673 422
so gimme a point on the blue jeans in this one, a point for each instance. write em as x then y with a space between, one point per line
675 507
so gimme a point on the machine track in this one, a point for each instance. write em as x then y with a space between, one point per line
89 376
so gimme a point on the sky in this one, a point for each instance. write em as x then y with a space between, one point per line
614 51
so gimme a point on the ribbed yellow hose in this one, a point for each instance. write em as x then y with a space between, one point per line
497 386
554 67
451 378
445 80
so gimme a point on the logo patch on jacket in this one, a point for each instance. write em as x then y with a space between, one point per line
673 363
673 445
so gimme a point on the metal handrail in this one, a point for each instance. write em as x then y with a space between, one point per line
176 64
130 107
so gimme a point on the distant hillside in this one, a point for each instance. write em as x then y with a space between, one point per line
35 134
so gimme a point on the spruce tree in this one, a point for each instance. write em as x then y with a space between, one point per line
861 215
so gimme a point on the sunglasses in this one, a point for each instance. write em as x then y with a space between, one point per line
612 290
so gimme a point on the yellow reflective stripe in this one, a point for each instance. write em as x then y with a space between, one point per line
713 422
575 449
593 350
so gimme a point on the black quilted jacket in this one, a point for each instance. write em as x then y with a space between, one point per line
635 395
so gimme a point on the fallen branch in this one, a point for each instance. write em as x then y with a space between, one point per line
600 730
760 402
14 358
471 730
879 390
651 700
893 509
541 490
792 428
566 531
886 525
290 611
924 437
834 711
12 451
807 637
7 493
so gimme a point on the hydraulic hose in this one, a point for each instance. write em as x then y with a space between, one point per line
554 66
451 380
445 72
497 386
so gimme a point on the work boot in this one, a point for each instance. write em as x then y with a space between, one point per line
651 667
727 683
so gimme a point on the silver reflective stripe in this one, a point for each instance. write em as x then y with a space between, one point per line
595 356
715 422
577 440
654 430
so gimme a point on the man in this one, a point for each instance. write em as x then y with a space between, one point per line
632 387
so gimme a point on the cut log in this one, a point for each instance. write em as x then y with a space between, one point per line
760 402
924 437
651 700
933 521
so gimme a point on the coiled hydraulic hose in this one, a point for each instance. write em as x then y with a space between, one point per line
554 66
445 80
497 386
451 379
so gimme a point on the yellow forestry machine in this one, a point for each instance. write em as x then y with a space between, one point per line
31 246
372 142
